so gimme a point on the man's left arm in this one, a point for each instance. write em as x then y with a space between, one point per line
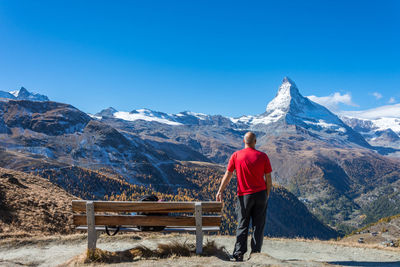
268 182
224 183
267 174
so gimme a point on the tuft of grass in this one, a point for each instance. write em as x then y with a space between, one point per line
98 255
142 252
175 248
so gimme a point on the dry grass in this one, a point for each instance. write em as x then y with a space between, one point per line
166 250
31 205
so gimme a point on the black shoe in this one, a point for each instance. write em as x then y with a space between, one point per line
238 257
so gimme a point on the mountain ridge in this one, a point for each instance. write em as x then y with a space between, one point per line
288 105
288 98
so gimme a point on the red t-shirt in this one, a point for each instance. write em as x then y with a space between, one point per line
250 165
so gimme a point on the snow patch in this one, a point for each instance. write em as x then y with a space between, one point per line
143 114
94 116
200 116
324 124
14 93
263 119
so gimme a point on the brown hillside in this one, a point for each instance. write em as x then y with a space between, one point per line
31 205
385 232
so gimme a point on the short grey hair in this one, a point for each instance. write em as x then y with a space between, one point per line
249 138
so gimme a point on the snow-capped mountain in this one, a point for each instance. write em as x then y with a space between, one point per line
182 118
290 106
377 119
23 94
147 115
379 126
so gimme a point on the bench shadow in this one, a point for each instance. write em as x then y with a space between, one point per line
366 263
163 251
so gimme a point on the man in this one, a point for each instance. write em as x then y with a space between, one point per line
253 172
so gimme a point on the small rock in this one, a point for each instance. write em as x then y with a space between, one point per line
7 175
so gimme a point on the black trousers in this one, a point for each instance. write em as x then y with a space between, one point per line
254 207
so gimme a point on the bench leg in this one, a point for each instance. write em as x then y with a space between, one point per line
92 235
199 227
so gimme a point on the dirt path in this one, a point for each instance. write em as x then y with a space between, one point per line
276 252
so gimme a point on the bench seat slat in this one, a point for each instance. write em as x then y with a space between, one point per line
144 220
145 206
167 229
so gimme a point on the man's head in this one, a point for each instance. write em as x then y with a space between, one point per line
250 139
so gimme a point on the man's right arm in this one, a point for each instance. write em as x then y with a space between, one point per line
268 182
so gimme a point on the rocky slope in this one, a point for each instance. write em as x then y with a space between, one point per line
385 232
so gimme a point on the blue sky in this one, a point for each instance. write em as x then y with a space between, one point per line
215 57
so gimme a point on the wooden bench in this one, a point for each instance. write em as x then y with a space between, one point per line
179 217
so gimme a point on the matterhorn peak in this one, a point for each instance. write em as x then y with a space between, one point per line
299 110
286 79
287 93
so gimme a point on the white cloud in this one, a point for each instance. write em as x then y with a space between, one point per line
392 100
388 111
377 95
332 101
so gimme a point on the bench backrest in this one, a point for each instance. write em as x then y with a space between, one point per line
99 208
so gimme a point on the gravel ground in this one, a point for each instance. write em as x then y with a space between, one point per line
53 251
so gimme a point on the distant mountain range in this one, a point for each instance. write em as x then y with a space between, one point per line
334 165
23 94
371 130
378 131
380 127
